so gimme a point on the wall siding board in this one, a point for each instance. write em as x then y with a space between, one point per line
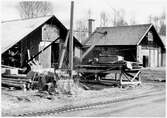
128 52
30 42
151 49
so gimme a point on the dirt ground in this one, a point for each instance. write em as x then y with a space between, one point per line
150 106
151 102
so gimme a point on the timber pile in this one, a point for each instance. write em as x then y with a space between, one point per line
105 67
10 77
18 81
31 80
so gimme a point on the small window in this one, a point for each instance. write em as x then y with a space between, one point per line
150 36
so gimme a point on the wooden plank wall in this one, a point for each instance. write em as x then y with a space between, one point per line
128 52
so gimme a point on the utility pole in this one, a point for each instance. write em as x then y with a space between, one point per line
71 40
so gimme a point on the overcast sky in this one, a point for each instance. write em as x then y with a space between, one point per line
138 9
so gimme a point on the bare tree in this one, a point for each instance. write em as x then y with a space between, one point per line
162 30
159 23
104 19
31 9
132 20
121 22
119 19
81 26
81 31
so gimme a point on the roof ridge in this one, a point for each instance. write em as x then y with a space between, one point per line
25 19
123 32
126 26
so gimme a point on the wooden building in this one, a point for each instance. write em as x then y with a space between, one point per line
139 43
20 37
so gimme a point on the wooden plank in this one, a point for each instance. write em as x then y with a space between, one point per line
42 50
28 53
87 51
102 65
109 80
132 83
126 76
10 67
97 71
17 80
13 84
136 76
20 76
64 50
92 46
14 81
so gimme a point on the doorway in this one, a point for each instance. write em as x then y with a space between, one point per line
55 55
145 61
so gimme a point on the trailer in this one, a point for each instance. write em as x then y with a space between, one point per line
118 73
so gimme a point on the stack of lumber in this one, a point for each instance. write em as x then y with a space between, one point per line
110 58
17 81
107 67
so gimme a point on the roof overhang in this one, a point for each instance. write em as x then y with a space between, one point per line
151 26
144 34
78 44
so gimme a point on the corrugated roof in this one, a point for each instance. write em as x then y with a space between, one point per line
15 30
121 35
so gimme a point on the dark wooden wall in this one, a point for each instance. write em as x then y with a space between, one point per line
30 42
128 52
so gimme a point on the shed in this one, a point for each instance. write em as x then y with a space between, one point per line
23 36
139 43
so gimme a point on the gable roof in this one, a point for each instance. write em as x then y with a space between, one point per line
120 35
163 38
15 30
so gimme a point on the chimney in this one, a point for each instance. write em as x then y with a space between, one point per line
90 26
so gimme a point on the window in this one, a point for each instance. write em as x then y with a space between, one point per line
150 36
